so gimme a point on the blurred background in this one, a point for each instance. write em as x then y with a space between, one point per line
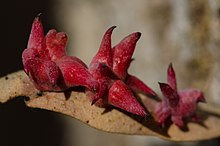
186 33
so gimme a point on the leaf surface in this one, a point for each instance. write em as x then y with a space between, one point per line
78 106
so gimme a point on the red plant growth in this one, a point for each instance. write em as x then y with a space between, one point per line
47 64
175 104
107 79
50 69
109 67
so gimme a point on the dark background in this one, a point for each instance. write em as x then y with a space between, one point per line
22 126
16 20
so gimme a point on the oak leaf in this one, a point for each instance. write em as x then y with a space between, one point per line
78 106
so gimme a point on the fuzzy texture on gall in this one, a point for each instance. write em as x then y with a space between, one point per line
175 104
47 64
109 67
107 80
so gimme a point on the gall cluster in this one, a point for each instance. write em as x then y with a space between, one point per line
106 79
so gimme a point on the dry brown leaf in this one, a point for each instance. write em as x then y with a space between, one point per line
77 105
